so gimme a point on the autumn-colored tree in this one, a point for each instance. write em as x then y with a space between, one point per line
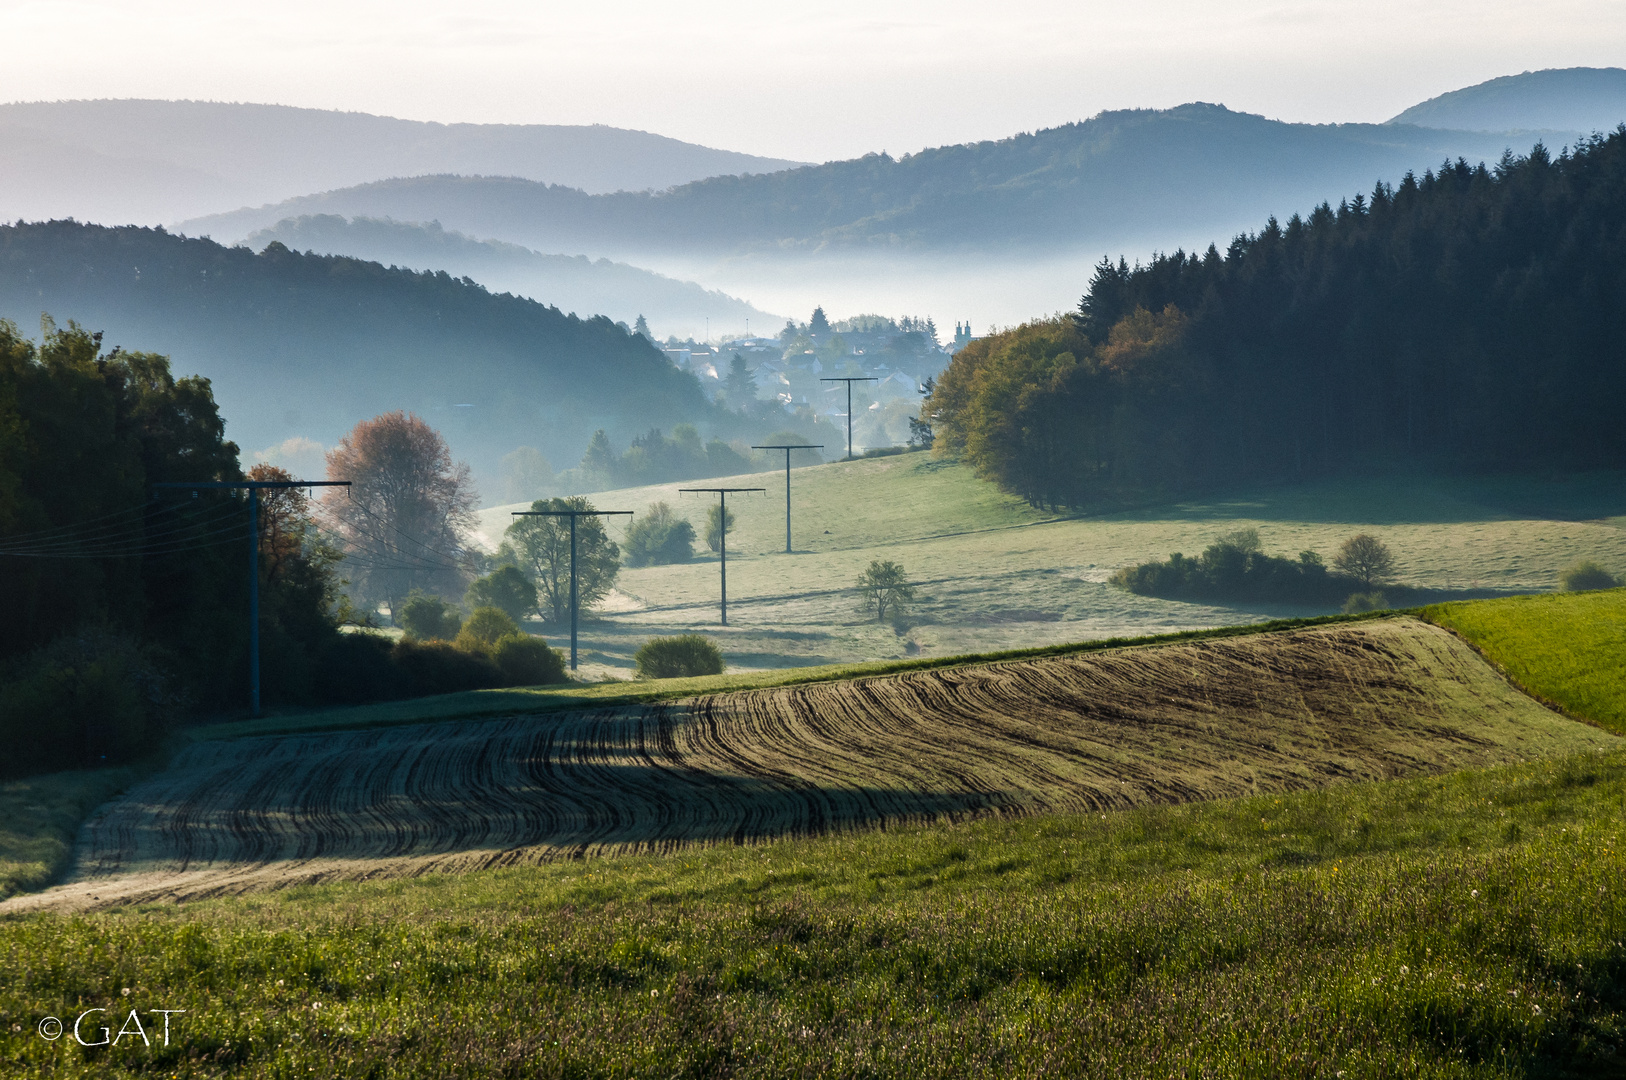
403 517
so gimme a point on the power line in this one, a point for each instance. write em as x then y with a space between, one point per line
254 487
722 532
572 515
849 380
787 448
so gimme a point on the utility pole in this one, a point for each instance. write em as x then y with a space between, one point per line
849 382
787 448
572 515
722 532
254 487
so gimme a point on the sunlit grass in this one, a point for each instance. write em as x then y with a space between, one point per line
1567 648
38 818
1467 925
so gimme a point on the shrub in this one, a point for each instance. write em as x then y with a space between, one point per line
678 657
506 589
527 661
719 520
429 618
1365 601
357 668
435 667
659 537
1586 574
486 627
91 698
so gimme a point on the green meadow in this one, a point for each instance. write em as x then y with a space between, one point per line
1568 650
1462 926
994 574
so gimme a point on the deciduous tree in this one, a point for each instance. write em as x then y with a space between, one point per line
403 519
540 546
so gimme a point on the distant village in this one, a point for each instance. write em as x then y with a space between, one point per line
901 354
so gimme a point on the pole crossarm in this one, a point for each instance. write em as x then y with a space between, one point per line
787 448
256 485
253 487
722 494
572 515
849 380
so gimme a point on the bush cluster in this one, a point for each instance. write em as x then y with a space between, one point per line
86 700
679 657
1234 567
487 654
659 537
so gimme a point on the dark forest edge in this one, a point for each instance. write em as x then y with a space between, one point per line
125 601
1465 320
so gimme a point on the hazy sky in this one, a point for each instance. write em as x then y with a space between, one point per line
800 80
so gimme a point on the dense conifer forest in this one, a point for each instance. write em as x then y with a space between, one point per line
1467 319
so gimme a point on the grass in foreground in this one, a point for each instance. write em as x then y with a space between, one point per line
39 817
1565 648
1461 926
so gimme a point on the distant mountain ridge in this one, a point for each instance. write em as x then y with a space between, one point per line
570 283
1101 183
1567 100
177 159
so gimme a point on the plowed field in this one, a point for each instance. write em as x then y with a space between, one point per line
1270 712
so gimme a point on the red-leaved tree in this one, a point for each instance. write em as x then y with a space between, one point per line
403 518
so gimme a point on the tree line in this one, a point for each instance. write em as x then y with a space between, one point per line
1468 318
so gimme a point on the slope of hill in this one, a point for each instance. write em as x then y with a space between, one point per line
569 283
1562 100
1118 178
1177 723
305 345
174 159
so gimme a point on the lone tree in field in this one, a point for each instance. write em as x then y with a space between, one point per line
403 518
1366 559
884 588
541 548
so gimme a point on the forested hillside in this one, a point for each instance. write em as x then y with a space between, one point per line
1117 178
1470 318
306 345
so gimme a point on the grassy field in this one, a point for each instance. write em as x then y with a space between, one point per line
995 574
38 819
1462 926
1566 649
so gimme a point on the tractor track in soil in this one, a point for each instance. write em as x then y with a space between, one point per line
1099 731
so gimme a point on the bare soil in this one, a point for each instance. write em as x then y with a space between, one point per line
1204 720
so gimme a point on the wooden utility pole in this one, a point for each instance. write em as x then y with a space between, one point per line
254 487
787 448
572 515
722 531
849 382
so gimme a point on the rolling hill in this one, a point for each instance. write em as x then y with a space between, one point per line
306 345
567 282
1566 101
1138 178
175 159
1249 715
